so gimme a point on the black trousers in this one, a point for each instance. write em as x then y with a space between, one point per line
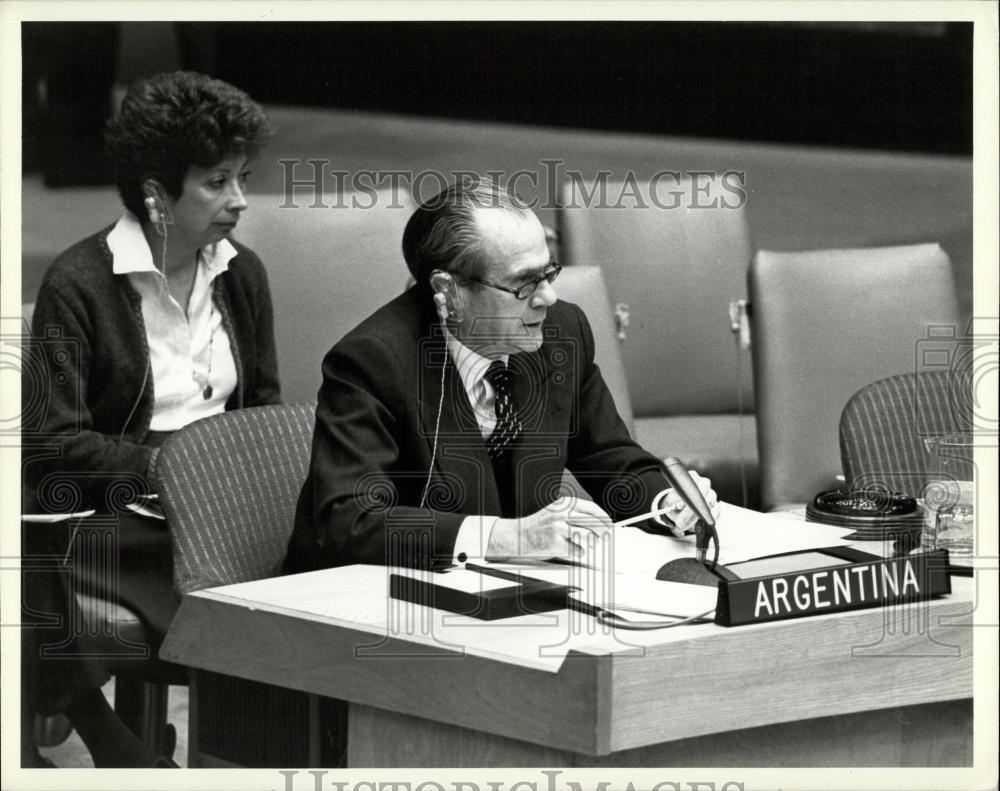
118 557
123 558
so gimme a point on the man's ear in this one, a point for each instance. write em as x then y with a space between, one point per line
446 296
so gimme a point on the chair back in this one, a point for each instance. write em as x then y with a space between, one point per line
884 424
329 268
584 286
676 267
229 485
824 324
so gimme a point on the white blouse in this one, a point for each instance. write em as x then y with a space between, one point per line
191 361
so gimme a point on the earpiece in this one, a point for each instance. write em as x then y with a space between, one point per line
446 297
151 209
441 303
447 302
155 204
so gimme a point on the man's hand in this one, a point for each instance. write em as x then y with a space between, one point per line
569 529
682 517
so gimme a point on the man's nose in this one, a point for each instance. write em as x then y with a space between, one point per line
545 295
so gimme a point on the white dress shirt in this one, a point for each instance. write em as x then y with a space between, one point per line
474 532
188 349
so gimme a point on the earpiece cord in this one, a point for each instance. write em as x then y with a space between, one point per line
609 618
135 404
437 425
161 228
741 422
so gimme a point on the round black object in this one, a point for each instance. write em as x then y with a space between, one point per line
864 504
884 516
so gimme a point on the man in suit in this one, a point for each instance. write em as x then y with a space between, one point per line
445 420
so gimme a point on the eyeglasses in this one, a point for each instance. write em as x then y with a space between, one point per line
528 288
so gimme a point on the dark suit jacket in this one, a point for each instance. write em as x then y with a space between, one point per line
375 427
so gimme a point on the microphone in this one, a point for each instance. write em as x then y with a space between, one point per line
689 492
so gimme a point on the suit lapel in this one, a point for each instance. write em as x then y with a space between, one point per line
461 460
542 388
541 393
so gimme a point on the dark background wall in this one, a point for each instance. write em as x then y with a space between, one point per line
889 86
898 94
893 86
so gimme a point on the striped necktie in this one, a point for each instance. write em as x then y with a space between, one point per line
508 424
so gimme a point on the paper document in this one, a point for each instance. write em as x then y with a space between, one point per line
634 597
358 597
633 593
640 598
743 535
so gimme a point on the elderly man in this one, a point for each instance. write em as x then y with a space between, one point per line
445 420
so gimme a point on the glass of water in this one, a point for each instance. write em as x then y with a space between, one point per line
949 495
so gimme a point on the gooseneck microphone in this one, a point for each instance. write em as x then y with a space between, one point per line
689 492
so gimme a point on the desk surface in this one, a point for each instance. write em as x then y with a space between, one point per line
335 633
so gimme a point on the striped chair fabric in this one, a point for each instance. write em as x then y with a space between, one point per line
229 485
883 427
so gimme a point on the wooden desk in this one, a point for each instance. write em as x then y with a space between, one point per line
888 687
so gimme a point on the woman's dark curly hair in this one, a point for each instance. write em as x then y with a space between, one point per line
171 121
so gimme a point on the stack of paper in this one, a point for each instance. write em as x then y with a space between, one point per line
621 574
743 535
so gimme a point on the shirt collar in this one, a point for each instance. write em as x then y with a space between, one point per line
471 365
130 252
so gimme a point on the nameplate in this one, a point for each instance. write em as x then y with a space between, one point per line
850 586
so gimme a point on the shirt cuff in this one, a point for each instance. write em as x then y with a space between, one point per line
656 505
473 538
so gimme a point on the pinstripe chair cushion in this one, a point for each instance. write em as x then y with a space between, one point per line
229 485
883 426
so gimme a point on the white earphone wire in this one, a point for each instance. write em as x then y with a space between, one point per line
442 314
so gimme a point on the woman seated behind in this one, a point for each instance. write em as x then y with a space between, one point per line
153 322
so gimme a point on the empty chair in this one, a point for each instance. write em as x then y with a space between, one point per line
229 485
329 267
584 286
884 426
824 324
674 255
